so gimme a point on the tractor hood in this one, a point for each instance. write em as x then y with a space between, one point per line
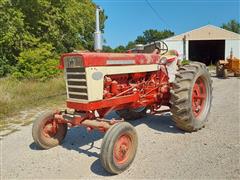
87 59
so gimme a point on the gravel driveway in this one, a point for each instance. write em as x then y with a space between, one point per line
164 152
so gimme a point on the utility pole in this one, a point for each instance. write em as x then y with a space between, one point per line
97 33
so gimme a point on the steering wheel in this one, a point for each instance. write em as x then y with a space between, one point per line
162 47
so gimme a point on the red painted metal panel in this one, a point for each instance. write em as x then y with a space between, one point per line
101 59
105 103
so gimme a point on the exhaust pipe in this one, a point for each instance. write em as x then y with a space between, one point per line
97 33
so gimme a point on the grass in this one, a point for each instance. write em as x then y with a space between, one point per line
212 67
16 96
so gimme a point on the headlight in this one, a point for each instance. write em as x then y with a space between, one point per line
73 61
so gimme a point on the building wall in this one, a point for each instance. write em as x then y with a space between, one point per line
229 44
234 45
178 45
175 45
208 32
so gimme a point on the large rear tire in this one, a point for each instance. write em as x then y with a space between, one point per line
119 147
191 97
47 135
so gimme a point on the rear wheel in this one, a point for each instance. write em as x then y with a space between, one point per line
237 74
119 148
46 132
132 114
191 97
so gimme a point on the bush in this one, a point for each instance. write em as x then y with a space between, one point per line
185 62
37 63
5 67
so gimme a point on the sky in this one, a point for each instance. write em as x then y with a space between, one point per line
129 18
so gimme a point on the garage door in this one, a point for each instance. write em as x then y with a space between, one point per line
207 51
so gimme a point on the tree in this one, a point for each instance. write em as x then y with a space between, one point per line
232 25
130 45
148 36
152 35
120 49
67 24
107 49
63 24
11 35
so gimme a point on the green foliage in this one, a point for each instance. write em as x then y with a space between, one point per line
11 34
232 25
185 62
5 68
131 45
37 63
107 49
152 35
120 49
148 36
65 25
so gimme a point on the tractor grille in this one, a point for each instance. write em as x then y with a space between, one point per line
76 83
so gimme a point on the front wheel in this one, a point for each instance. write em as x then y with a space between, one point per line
191 97
119 148
46 132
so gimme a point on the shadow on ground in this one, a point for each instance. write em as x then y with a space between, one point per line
79 137
80 140
160 123
97 169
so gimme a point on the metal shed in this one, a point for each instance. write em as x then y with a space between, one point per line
207 44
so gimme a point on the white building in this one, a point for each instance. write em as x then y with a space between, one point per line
207 44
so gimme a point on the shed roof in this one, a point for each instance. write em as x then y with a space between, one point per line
208 32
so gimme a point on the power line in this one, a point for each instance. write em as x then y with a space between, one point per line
157 14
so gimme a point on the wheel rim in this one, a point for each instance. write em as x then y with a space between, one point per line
199 96
122 149
50 128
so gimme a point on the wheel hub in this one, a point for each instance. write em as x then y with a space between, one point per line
199 96
50 128
122 149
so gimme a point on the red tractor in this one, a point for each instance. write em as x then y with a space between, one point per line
132 84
